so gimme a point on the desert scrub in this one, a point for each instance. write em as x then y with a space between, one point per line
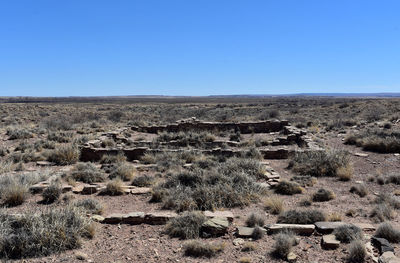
200 249
87 173
114 187
184 139
42 234
123 170
52 192
255 220
60 136
91 206
15 133
143 180
359 189
388 232
113 158
320 163
380 141
348 233
357 252
323 195
186 226
288 188
284 242
224 185
301 217
274 205
64 154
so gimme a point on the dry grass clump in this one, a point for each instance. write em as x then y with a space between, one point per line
199 249
223 185
388 232
113 158
284 242
91 206
184 139
15 194
357 252
359 189
334 217
87 173
345 173
394 179
64 155
274 205
381 141
348 233
114 187
301 217
288 188
61 136
15 133
323 195
320 163
255 220
258 232
382 213
123 170
304 180
143 180
186 226
52 193
42 234
248 246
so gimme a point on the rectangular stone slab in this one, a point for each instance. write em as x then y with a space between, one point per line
298 229
330 242
326 227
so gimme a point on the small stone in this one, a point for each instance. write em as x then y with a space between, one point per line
382 244
81 256
44 163
291 257
361 154
97 218
238 241
244 231
215 226
329 242
388 257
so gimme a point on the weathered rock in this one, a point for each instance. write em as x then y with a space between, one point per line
140 190
113 219
134 218
382 244
159 218
329 242
291 257
77 189
66 188
238 241
215 226
220 214
365 226
81 256
44 163
325 227
388 257
37 188
89 189
298 229
98 218
244 231
361 154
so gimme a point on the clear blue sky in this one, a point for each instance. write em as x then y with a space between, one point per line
203 47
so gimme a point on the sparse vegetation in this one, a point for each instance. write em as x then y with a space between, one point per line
123 170
199 249
87 173
288 188
357 252
114 187
255 220
64 155
92 206
388 232
348 233
301 217
323 195
274 205
284 243
186 226
359 189
52 192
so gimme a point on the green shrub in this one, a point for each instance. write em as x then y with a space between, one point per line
186 226
301 217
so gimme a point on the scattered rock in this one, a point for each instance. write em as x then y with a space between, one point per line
244 231
297 228
388 257
325 227
220 214
215 226
159 218
329 242
382 244
291 257
134 218
238 241
98 218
